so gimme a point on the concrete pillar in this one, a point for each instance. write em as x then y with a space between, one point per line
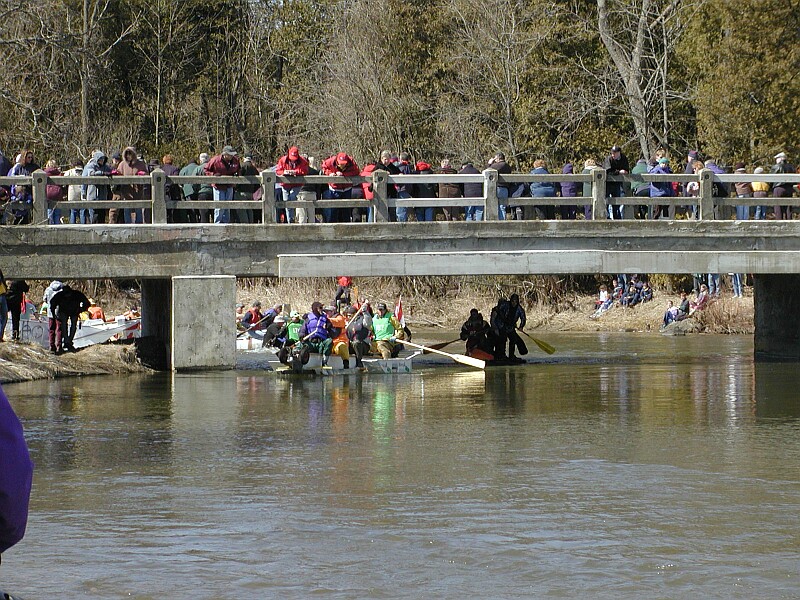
777 318
203 329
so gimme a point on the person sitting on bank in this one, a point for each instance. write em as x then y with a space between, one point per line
631 297
684 307
671 314
387 331
340 343
701 301
646 293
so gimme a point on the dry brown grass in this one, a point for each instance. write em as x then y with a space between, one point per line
25 362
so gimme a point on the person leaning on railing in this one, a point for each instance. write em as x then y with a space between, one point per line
129 166
224 164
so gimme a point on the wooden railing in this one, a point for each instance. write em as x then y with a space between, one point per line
380 180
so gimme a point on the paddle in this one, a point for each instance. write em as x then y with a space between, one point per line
542 344
443 344
253 326
460 358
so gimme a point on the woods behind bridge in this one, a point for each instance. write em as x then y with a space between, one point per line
553 79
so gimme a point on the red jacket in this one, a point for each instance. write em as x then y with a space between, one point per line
218 167
349 169
367 185
297 168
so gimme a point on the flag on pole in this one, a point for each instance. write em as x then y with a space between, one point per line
398 312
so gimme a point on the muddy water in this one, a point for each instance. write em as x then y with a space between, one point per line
623 466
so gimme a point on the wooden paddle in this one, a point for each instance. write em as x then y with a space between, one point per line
542 344
442 345
460 358
253 326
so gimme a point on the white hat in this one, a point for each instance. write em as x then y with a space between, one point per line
759 170
203 157
780 155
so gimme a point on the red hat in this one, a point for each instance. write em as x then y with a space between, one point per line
342 158
423 166
294 152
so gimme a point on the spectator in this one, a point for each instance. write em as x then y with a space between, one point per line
661 189
569 189
744 189
499 164
700 301
641 189
340 165
424 190
22 200
292 164
222 165
384 164
472 190
247 191
760 190
719 189
782 189
404 167
671 314
449 190
615 164
130 166
646 293
54 192
191 191
172 191
543 189
92 192
630 297
588 166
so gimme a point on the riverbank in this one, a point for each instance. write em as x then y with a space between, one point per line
26 362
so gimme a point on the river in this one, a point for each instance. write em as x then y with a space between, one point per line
624 466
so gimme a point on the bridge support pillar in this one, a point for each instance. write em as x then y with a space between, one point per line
202 333
777 318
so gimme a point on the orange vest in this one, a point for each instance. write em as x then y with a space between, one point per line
340 323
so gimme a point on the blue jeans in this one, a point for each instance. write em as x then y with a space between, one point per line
743 212
329 214
402 211
222 215
502 194
289 195
3 315
54 216
81 215
736 282
473 213
614 210
424 214
713 284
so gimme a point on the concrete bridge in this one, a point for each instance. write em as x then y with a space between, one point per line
190 270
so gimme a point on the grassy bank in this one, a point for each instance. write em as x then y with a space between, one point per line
26 362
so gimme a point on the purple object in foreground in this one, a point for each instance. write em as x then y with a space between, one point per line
16 475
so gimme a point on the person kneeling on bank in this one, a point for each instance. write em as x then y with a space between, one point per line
387 331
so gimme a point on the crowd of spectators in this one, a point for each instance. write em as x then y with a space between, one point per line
17 199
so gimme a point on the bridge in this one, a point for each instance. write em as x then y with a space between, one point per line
189 267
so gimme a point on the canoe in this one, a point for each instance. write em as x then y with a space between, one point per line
92 331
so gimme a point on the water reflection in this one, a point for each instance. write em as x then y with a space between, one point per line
647 452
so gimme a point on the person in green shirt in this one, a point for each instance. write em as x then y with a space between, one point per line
387 330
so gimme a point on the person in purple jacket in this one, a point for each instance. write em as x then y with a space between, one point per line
16 475
569 189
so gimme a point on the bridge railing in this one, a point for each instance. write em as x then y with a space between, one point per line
707 203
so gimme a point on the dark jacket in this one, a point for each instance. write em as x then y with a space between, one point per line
449 190
542 189
613 167
15 291
68 303
471 190
569 189
16 476
502 168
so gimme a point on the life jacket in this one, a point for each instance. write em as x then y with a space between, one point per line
318 326
339 323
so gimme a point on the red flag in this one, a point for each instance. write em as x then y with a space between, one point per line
398 312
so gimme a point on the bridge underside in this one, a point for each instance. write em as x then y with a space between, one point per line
158 255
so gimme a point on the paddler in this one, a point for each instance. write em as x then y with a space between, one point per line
387 331
359 332
340 344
